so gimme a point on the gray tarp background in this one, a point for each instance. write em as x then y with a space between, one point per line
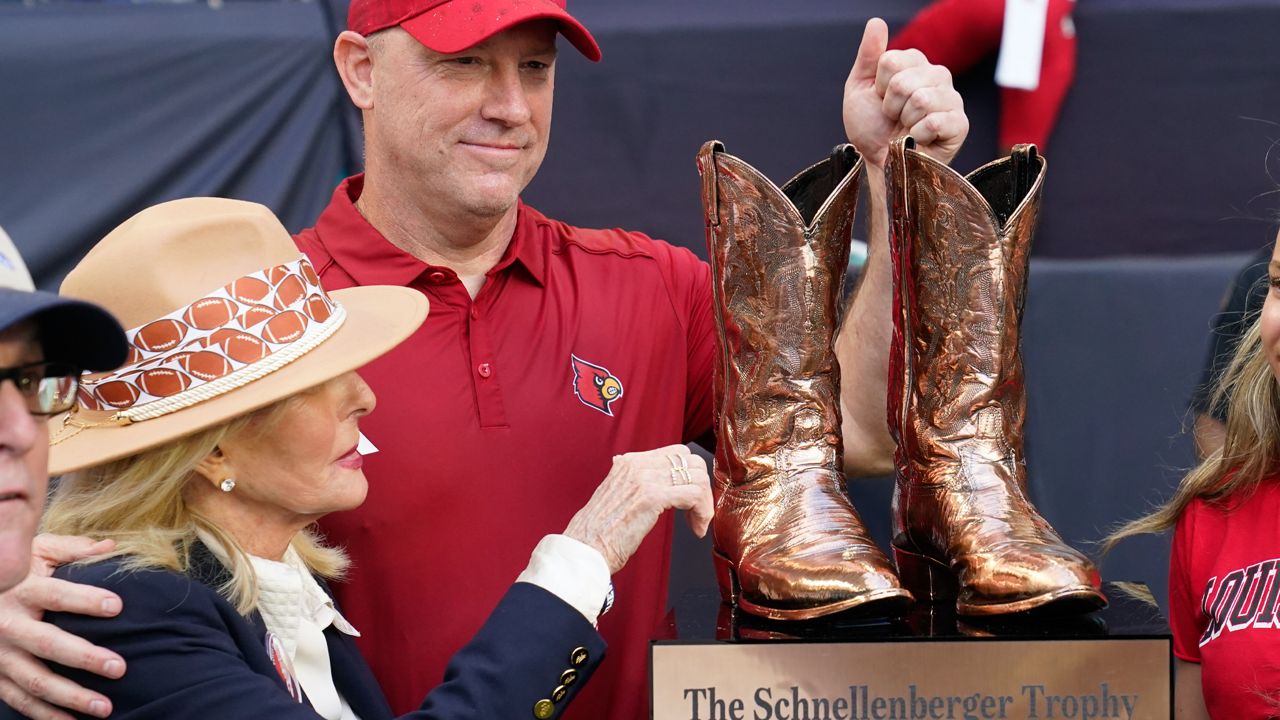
110 108
106 108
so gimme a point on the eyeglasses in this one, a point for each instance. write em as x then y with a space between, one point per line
48 387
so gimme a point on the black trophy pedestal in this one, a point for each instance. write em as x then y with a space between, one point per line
726 664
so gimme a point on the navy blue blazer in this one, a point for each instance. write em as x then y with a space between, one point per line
191 655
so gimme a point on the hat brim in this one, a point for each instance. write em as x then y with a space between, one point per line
378 319
71 331
455 26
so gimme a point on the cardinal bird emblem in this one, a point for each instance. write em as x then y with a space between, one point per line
595 386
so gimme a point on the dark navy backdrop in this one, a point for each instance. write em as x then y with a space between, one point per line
106 108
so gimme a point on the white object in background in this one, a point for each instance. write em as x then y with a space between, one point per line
1022 44
364 447
857 254
13 272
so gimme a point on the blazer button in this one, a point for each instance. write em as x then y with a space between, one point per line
568 677
579 657
558 694
544 709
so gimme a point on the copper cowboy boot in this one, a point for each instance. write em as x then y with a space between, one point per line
788 543
962 519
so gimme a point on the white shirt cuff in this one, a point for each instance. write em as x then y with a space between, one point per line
572 571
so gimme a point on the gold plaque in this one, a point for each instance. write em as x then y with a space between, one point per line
965 680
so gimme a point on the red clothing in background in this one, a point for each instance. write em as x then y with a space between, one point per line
958 34
1224 588
490 436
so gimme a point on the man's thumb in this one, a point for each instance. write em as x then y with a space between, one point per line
875 40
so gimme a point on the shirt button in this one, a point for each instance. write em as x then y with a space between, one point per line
475 313
485 370
436 277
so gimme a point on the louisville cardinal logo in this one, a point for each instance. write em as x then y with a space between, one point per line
595 386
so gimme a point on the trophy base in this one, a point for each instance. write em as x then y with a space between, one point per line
724 664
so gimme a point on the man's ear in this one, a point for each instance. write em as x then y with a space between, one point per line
354 60
214 467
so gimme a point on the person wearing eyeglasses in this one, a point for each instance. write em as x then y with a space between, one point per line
45 342
230 429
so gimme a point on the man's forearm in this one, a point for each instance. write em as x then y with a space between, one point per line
862 347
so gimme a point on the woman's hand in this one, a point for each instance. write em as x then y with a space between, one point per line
635 493
26 684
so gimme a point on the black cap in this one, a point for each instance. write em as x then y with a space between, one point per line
71 331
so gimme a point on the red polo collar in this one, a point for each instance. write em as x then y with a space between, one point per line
370 259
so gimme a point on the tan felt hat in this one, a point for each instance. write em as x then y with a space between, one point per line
225 316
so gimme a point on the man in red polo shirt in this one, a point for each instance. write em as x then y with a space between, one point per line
549 348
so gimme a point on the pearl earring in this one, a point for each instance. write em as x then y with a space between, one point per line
228 485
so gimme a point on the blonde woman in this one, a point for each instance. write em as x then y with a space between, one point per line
231 429
1224 571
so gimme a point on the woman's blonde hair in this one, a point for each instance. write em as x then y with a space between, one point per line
1252 394
140 503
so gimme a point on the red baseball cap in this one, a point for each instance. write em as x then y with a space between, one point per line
450 26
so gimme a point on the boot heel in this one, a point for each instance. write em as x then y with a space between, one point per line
726 578
929 580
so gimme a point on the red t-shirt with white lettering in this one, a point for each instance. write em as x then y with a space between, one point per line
1224 588
493 432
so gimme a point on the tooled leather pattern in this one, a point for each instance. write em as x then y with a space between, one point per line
781 512
959 400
